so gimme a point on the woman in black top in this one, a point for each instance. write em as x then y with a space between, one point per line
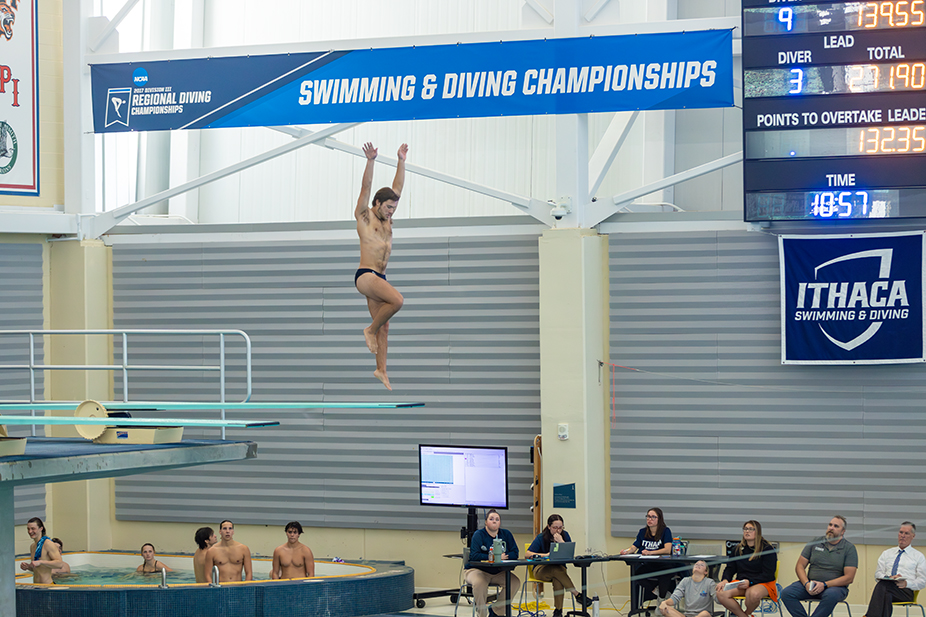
554 572
754 564
151 564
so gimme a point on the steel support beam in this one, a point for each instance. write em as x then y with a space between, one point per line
96 226
610 144
540 210
600 211
111 26
596 8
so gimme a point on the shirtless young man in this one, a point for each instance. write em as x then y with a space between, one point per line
293 559
45 554
374 226
205 539
230 556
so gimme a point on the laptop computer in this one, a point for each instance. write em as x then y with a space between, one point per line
562 551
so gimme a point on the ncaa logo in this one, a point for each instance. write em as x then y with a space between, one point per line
140 77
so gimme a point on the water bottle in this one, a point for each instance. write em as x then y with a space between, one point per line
676 546
595 604
491 554
500 548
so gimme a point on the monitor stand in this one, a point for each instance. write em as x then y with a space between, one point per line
472 524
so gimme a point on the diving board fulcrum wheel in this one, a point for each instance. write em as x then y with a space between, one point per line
90 409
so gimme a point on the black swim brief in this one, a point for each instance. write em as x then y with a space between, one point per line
361 271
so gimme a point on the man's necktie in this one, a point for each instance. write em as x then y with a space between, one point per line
896 563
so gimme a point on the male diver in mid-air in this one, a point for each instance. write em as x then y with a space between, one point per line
374 226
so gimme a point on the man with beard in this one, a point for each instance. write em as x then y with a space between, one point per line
824 571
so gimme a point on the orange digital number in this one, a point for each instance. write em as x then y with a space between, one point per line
897 14
888 138
918 79
863 15
919 137
905 140
919 15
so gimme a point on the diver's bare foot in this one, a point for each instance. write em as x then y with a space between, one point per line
370 339
383 378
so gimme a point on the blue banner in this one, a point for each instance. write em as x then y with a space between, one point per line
852 299
555 76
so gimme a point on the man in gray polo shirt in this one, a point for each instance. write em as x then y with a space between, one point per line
832 562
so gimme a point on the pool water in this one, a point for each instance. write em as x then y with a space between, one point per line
99 575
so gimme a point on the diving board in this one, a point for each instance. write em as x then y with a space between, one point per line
172 405
120 422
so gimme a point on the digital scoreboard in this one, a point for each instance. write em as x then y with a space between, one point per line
834 109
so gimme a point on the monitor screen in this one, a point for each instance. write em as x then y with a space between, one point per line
463 476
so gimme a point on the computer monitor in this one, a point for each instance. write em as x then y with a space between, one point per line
465 476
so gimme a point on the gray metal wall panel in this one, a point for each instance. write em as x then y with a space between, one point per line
466 343
21 309
717 431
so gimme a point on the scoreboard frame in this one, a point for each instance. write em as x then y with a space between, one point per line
863 65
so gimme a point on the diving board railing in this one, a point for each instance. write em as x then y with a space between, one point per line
125 367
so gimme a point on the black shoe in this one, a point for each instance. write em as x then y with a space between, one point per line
584 600
557 612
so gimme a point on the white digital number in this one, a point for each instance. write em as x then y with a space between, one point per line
864 196
786 16
798 81
846 204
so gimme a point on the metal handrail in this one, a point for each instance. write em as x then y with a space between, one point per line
125 367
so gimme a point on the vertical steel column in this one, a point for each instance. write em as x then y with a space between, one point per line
125 367
222 376
32 374
7 552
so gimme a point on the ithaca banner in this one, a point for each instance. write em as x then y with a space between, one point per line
19 118
852 299
555 76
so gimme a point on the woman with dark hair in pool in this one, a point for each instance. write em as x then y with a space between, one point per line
151 564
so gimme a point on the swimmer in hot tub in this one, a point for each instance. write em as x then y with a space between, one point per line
293 559
151 564
230 556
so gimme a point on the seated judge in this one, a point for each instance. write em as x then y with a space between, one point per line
480 578
901 571
654 539
554 572
753 565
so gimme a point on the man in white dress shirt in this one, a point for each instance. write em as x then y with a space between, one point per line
901 571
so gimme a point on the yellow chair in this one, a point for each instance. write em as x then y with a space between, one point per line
809 602
537 612
537 583
777 602
907 605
